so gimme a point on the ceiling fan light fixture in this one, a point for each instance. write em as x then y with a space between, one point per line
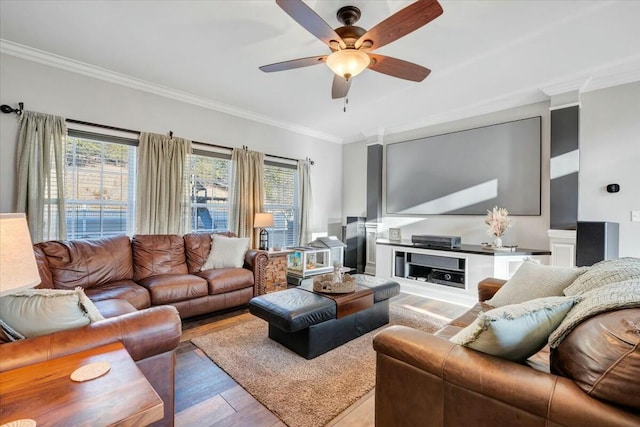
348 63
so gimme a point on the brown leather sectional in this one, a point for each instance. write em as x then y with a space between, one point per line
142 286
591 379
150 270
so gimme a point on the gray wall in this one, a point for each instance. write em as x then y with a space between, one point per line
610 153
527 231
51 90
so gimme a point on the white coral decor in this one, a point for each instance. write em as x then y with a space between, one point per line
498 221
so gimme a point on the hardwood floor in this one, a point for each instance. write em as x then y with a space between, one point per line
207 396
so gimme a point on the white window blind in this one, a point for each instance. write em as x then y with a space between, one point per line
281 190
99 184
209 188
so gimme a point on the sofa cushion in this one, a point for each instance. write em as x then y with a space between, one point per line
221 280
168 288
226 252
43 311
127 290
88 263
197 248
611 297
114 307
604 273
157 254
46 279
517 331
533 280
602 356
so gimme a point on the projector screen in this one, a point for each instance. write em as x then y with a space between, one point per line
467 172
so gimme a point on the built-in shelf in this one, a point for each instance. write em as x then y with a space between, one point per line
449 274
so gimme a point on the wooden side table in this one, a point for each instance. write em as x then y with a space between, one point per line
276 271
45 393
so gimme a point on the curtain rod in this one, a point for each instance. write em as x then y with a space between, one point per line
8 110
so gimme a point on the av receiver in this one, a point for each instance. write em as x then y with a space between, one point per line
449 278
425 240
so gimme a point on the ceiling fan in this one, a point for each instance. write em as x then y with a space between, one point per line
351 46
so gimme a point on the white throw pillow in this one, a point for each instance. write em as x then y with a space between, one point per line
515 332
533 280
611 297
43 311
226 252
604 273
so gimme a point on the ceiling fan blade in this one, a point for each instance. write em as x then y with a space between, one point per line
398 68
401 23
294 63
311 21
340 87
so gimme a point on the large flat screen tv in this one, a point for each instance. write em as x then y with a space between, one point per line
466 172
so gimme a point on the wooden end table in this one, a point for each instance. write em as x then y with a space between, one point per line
45 392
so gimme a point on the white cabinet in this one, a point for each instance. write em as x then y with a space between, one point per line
370 243
563 247
449 275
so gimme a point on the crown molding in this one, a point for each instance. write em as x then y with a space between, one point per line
565 86
617 79
42 57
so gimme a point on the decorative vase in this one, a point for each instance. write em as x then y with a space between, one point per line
497 242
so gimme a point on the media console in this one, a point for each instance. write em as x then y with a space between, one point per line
449 274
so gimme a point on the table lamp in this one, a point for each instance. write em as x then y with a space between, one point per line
263 220
18 268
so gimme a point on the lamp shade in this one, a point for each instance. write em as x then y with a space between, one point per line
18 268
262 220
348 63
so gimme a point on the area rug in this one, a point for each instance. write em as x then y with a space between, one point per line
302 393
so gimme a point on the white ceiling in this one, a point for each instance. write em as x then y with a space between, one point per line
484 55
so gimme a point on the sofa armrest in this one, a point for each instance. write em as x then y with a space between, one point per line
423 379
488 287
256 261
144 333
419 370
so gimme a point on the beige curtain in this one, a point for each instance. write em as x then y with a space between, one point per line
305 200
247 192
41 174
162 195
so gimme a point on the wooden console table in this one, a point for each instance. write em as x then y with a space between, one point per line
45 393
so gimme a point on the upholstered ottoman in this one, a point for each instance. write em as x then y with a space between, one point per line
311 324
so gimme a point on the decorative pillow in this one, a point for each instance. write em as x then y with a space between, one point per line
533 280
515 332
610 297
43 311
9 334
604 273
226 252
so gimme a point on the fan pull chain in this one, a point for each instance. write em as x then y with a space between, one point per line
346 101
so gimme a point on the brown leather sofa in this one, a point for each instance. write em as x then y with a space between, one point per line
151 270
142 286
590 379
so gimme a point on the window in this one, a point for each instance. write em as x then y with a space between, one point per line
100 184
281 199
99 180
209 191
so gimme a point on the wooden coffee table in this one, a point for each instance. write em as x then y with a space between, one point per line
45 393
348 303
